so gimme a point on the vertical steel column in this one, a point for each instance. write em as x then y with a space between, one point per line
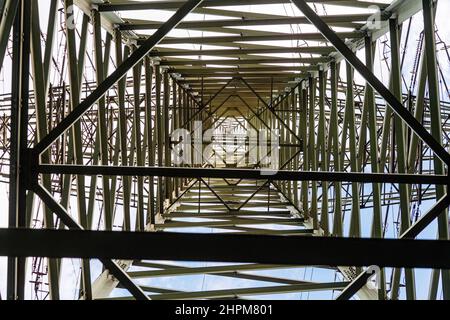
175 125
295 167
107 205
284 134
180 122
112 130
160 128
19 140
377 228
436 124
289 141
401 159
122 124
334 139
137 73
349 126
312 150
291 152
150 138
303 101
185 114
166 134
75 83
322 143
40 93
67 179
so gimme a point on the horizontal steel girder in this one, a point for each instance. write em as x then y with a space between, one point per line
164 5
250 60
223 52
331 19
281 175
226 248
241 38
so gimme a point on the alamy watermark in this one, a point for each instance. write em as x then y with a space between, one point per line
374 21
261 148
375 271
70 17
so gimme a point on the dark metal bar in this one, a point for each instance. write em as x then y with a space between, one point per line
427 218
243 173
356 285
164 5
324 50
226 248
166 133
159 129
436 121
19 141
346 20
151 141
276 37
390 98
121 71
411 233
8 14
244 62
113 267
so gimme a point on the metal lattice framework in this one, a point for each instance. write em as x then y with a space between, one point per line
87 115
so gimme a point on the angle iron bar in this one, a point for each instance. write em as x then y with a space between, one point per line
120 72
242 173
406 253
112 266
390 98
411 233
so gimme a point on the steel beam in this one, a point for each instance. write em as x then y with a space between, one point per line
250 60
241 38
411 233
242 173
340 20
6 22
118 74
359 66
166 5
122 130
69 222
15 282
334 140
400 156
323 50
377 224
230 248
436 121
40 81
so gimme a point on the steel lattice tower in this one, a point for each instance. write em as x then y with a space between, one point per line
312 151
